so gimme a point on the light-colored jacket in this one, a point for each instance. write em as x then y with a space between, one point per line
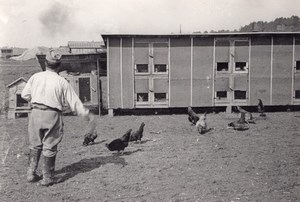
50 89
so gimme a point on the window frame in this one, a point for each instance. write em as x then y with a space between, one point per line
141 73
240 99
222 99
166 72
295 93
143 102
222 72
295 66
243 71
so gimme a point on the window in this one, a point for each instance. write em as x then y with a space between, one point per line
160 68
221 95
297 65
297 94
222 66
240 95
142 68
85 90
142 97
21 102
241 67
160 97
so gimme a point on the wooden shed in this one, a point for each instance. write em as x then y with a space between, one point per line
202 70
17 106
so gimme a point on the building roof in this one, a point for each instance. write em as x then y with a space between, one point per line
85 44
16 81
104 36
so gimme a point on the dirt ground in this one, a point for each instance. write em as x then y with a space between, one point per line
173 162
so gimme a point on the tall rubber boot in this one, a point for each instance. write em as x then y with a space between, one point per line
48 171
34 157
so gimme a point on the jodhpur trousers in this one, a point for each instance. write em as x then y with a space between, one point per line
45 130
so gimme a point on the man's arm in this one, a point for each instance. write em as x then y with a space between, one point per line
74 102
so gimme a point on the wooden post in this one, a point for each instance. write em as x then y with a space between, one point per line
98 88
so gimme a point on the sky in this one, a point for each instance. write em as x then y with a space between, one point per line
52 23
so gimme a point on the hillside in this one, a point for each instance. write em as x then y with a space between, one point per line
30 53
291 24
281 24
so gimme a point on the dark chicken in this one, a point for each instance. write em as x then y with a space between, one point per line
119 144
138 134
193 117
260 108
91 133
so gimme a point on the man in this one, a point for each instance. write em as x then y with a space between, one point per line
48 93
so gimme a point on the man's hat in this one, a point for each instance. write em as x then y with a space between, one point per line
53 57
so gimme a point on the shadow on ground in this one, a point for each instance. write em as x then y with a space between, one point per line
87 165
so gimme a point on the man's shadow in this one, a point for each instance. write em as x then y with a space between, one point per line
87 165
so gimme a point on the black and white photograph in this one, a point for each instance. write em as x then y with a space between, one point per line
150 100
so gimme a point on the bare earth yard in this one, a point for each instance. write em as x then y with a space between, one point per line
173 163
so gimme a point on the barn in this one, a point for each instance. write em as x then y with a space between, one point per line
202 70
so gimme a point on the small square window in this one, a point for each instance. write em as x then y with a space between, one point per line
21 102
159 68
297 94
160 97
240 95
222 66
297 65
142 68
241 66
142 97
221 95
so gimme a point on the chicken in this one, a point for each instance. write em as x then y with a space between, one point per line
240 124
119 144
89 137
193 117
201 124
91 133
248 116
137 135
261 108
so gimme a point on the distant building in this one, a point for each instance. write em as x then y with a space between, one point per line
17 106
9 52
6 52
82 47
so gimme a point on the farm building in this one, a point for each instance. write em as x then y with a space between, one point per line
6 52
16 104
80 47
202 70
85 73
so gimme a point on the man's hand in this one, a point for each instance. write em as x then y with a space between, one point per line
91 133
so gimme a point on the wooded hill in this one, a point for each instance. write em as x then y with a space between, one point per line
281 24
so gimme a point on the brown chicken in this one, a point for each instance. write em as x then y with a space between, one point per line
89 138
193 117
248 116
240 124
138 134
119 144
